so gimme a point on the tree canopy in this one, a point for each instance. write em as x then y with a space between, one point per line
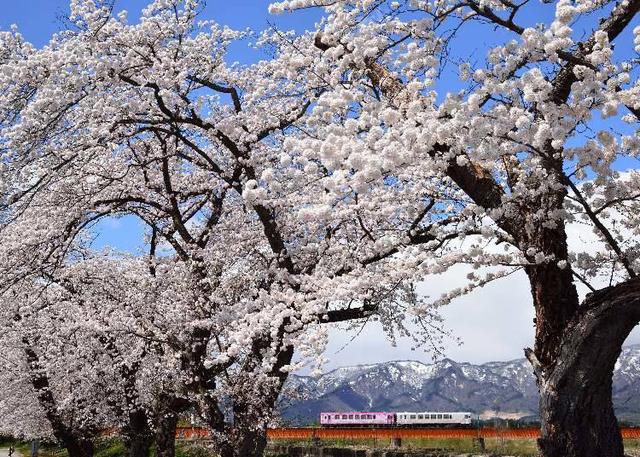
312 187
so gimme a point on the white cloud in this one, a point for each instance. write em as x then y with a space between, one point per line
494 322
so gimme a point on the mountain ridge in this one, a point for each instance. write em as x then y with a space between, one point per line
492 389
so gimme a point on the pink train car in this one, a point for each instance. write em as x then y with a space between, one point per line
356 418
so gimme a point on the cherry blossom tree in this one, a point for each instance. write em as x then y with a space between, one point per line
247 252
537 138
77 368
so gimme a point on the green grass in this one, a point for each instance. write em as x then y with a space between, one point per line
45 450
495 446
631 444
113 447
105 447
454 445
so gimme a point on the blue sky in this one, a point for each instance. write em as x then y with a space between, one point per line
496 322
38 19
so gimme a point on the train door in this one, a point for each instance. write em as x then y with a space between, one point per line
391 419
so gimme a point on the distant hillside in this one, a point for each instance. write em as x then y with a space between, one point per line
503 389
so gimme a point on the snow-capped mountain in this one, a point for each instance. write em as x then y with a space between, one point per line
504 389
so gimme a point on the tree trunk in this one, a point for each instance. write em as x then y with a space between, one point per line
137 436
138 446
75 442
578 420
167 423
576 407
78 447
244 442
252 411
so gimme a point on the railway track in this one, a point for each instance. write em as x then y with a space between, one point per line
388 433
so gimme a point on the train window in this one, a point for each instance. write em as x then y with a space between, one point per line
433 416
413 416
357 416
337 416
439 416
350 416
420 416
344 416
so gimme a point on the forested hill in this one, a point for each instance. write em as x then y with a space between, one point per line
506 389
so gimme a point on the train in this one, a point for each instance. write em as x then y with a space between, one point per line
393 419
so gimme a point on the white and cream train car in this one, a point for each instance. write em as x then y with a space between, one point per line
428 418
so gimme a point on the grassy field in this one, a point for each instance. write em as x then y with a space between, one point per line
111 447
455 445
495 446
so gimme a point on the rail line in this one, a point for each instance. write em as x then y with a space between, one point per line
389 433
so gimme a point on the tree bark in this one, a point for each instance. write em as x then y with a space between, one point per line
576 408
137 435
247 435
167 423
78 447
245 441
75 442
554 294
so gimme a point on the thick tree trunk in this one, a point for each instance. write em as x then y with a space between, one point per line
75 442
576 406
244 442
168 410
554 293
247 435
578 420
167 423
166 435
137 435
138 447
78 447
